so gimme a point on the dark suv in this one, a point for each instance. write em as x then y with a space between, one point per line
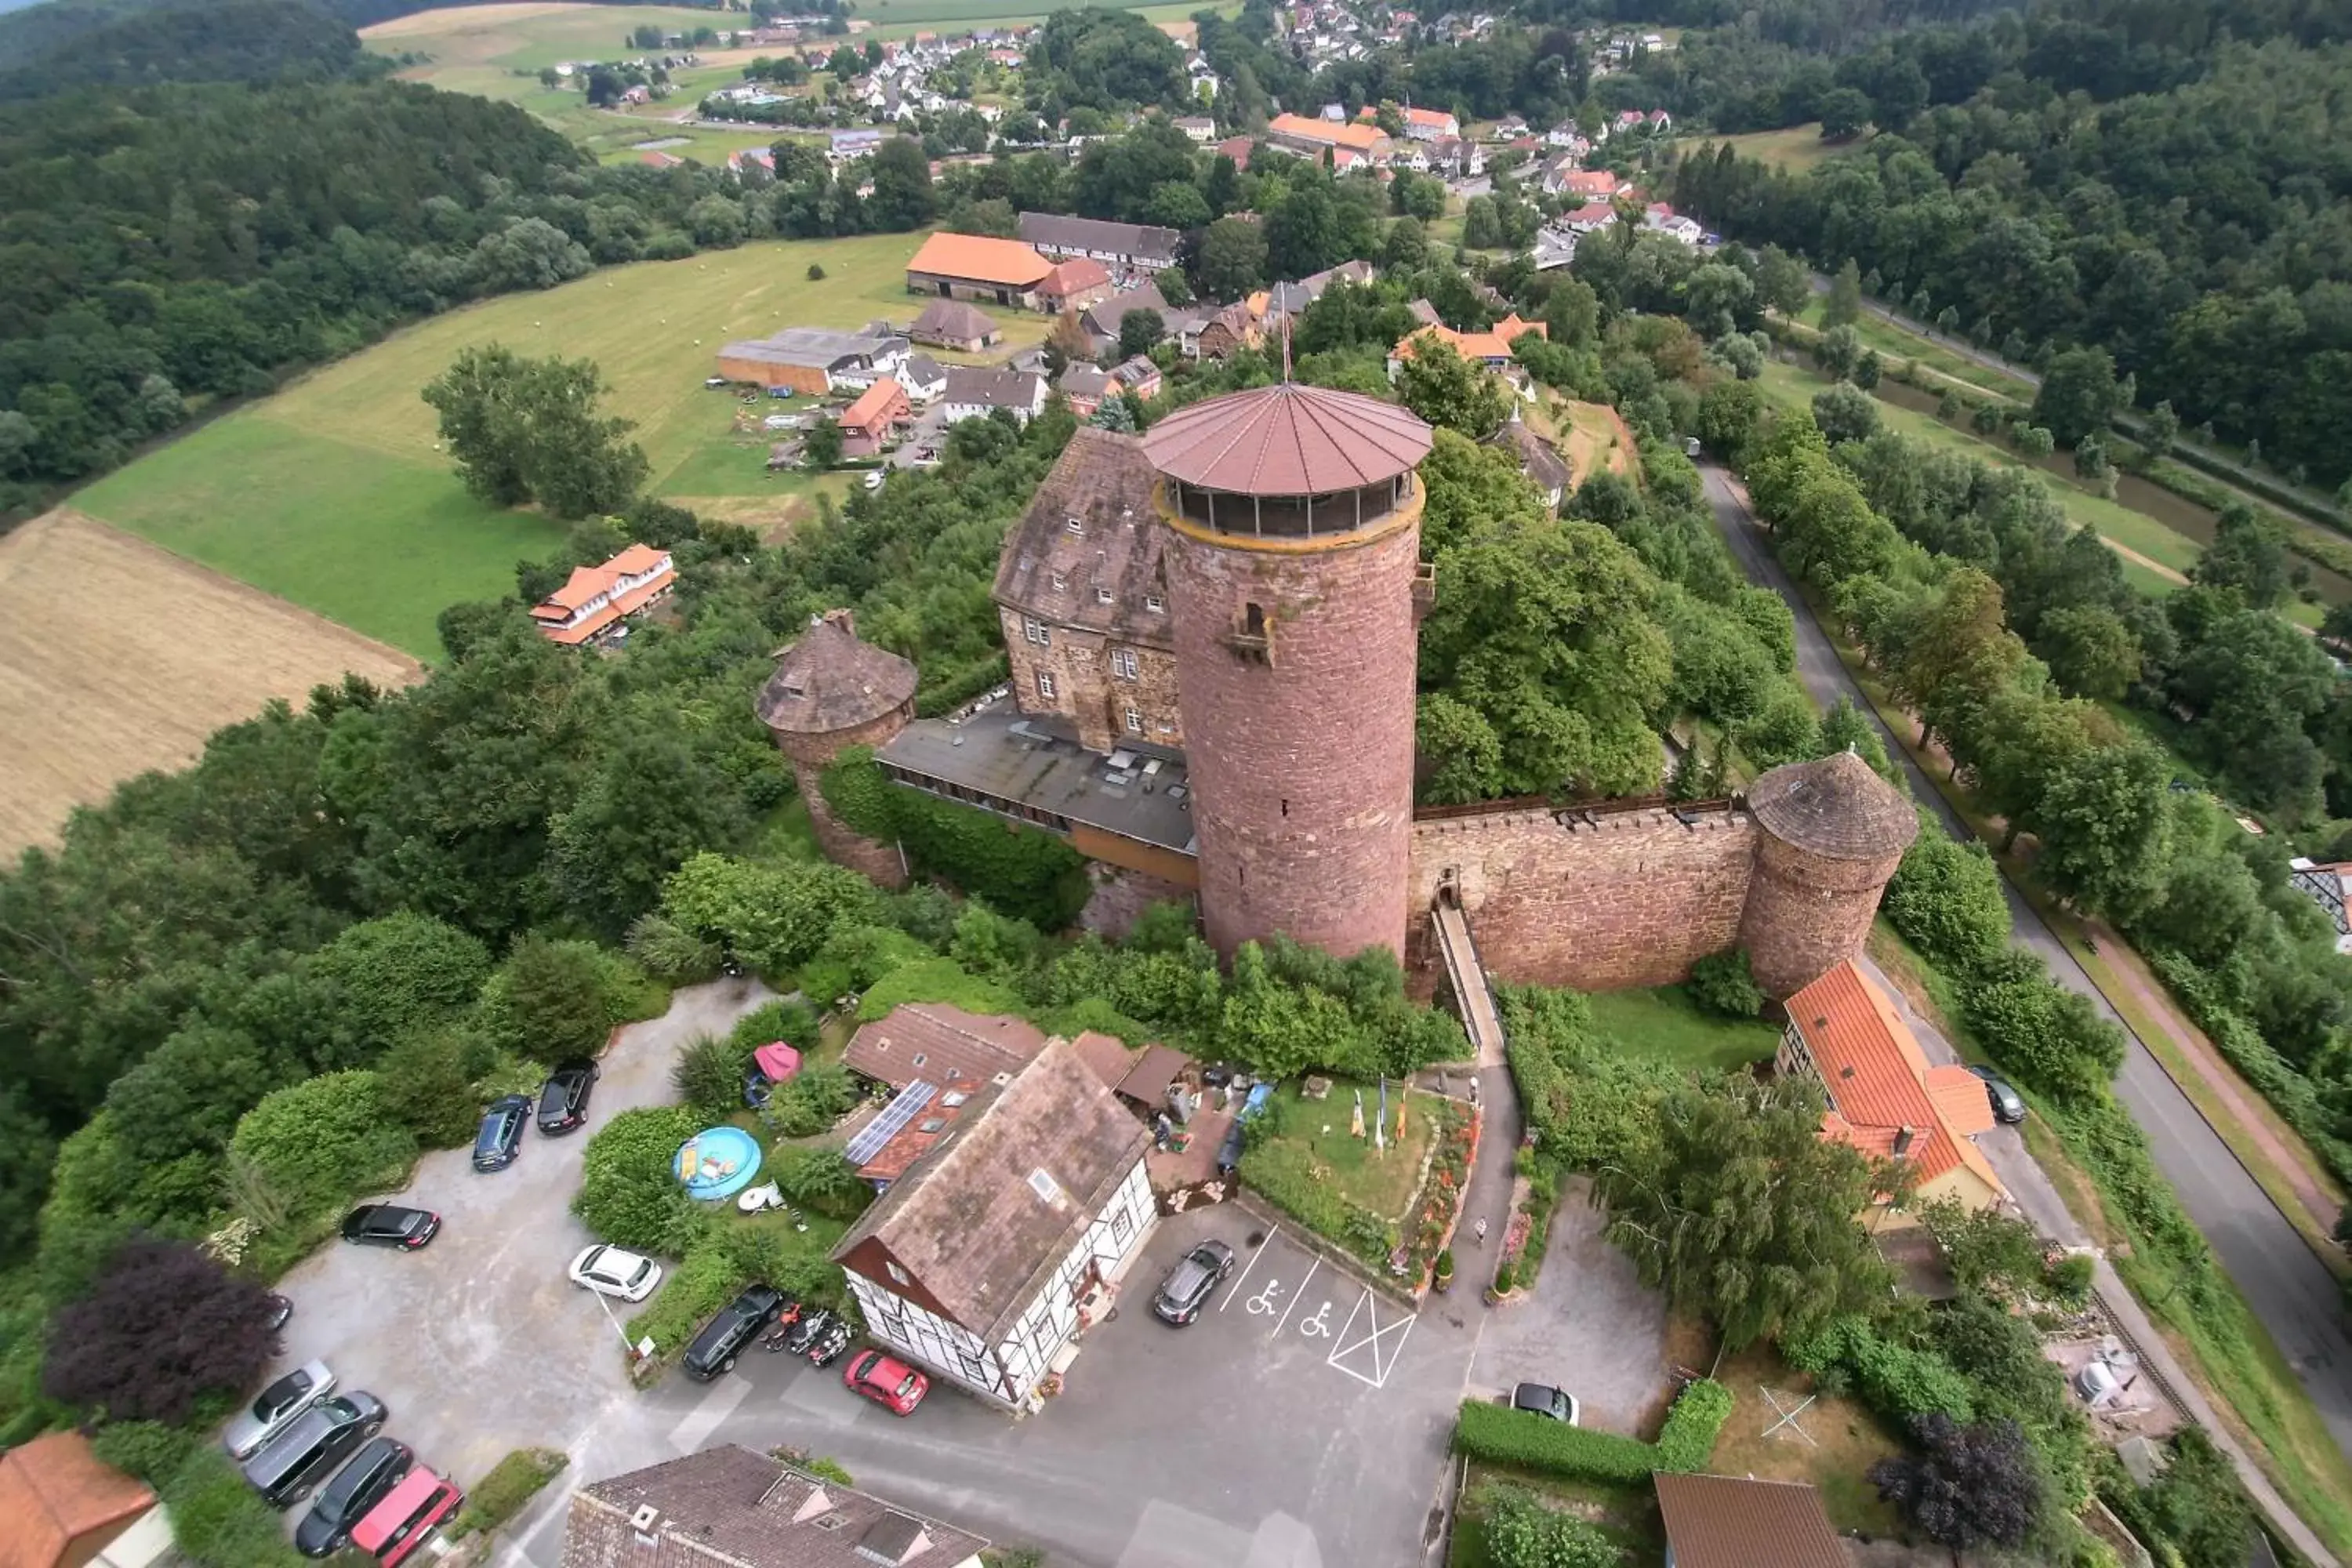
357 1487
564 1098
500 1138
729 1334
1188 1286
303 1455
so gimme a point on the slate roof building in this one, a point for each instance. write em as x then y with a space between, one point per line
730 1507
953 324
1884 1098
831 691
973 393
1538 459
1008 1236
811 359
1119 246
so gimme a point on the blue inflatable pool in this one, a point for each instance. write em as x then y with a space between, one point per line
717 1163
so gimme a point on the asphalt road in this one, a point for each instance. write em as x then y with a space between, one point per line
2288 1289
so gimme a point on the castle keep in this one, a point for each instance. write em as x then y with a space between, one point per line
1212 639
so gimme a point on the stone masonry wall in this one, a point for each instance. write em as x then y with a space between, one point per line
1300 755
1808 911
1633 900
842 844
1085 690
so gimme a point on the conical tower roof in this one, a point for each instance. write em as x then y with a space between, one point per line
1287 440
1835 806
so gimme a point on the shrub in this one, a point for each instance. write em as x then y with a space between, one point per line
629 1193
1285 1174
1500 1435
436 1069
1893 1380
813 1101
148 1449
1722 983
512 1482
1522 1532
317 1143
163 1326
549 1000
820 1180
1969 1485
217 1522
708 1076
1686 1441
935 979
706 1280
2070 1277
816 273
1504 1279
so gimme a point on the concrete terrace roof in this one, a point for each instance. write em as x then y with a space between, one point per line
1288 439
1036 763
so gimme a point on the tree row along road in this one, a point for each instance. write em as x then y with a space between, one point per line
2289 1290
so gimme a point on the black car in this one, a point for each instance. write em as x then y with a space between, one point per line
391 1224
2008 1105
1552 1404
500 1138
279 1310
1190 1284
307 1452
564 1098
726 1336
357 1487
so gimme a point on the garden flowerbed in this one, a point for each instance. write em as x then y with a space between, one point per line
1394 1208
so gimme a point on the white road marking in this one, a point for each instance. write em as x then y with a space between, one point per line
1300 1291
1375 1337
1261 1304
1247 1267
1318 1327
688 1436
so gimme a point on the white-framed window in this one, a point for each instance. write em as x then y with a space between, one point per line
1154 603
1044 683
1036 631
1102 596
1120 1224
1076 529
1061 582
897 1275
1135 721
1123 663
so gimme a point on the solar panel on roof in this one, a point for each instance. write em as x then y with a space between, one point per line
894 1116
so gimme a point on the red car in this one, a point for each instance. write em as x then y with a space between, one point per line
893 1384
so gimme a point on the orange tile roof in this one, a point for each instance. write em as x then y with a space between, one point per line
1435 117
1878 1079
873 405
1362 138
982 259
56 1493
1079 272
1590 183
1960 1099
1491 344
555 611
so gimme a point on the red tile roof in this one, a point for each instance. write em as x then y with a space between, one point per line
1724 1521
555 613
56 1494
1075 276
874 405
982 259
1288 439
1494 343
1362 138
1237 148
933 1041
1878 1079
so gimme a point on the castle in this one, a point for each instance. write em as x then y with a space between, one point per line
1212 631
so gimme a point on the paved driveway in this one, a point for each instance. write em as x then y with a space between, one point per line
1592 1327
477 1344
1301 1422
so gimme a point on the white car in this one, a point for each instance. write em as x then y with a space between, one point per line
874 481
609 1271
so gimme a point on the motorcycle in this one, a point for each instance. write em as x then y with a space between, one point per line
825 1345
781 1331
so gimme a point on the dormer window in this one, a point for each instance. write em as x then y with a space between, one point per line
1076 529
1061 582
1102 596
1154 603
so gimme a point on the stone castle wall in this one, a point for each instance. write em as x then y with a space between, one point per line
1805 912
844 845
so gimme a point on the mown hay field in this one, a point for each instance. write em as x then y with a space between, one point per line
117 657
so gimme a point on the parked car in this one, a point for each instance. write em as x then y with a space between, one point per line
500 1138
609 1271
1542 1399
308 1451
391 1224
564 1098
281 1309
729 1334
1191 1282
889 1382
407 1516
873 481
2008 1105
275 1408
715 381
357 1487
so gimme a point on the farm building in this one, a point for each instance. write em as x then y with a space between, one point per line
867 423
973 393
976 267
952 325
1296 133
812 359
1074 285
596 599
1120 246
923 377
996 1248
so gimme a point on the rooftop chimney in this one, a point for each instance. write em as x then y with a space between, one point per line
845 617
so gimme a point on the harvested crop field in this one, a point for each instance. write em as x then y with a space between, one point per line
116 656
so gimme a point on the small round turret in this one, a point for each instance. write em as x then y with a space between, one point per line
830 692
1833 833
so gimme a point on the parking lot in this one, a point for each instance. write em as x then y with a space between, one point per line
1300 1422
477 1344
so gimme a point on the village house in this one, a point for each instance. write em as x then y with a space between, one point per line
812 360
923 377
1845 1035
1238 149
1085 386
1001 1243
729 1506
1072 285
952 325
931 1042
1082 598
1491 347
63 1507
1103 319
1137 375
594 600
1538 458
1122 247
973 393
1562 177
1730 1522
1429 124
870 422
1217 335
1660 218
1199 127
978 267
842 146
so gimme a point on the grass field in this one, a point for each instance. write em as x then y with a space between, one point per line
334 494
117 657
1596 434
1382 1183
1897 344
1796 147
1666 1024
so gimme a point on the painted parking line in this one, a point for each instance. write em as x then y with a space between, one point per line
1261 1252
688 1436
1370 1353
1294 1295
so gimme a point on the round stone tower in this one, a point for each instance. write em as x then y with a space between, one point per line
830 692
1833 833
1292 556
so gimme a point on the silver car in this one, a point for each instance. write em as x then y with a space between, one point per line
277 1407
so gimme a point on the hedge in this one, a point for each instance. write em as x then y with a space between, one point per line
1500 1435
512 1482
1023 871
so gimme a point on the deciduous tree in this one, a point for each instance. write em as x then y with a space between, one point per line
161 1327
524 429
1969 1486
